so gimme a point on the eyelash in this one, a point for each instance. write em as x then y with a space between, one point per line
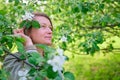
45 26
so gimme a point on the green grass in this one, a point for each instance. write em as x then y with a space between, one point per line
98 67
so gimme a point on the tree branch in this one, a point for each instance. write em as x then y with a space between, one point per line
101 27
38 68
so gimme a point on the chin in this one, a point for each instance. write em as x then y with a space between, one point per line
49 43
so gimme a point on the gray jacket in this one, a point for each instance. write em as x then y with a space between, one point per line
12 65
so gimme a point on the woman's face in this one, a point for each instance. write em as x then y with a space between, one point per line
43 35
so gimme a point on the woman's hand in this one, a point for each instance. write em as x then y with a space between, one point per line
28 41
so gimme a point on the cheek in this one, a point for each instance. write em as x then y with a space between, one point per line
37 35
40 33
37 32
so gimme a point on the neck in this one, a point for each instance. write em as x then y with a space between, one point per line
40 51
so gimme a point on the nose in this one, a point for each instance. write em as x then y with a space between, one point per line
49 30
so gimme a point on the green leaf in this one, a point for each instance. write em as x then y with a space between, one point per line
99 39
101 6
32 60
69 76
10 44
3 12
0 34
46 48
22 24
1 51
94 45
20 47
58 78
84 9
38 78
35 58
19 39
64 45
76 9
110 47
43 73
8 40
22 57
119 25
1 23
32 71
69 38
11 0
40 61
1 16
26 24
4 74
35 24
50 73
16 2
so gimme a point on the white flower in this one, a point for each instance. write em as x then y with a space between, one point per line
57 62
23 78
25 1
45 2
7 1
23 72
61 75
51 16
38 2
28 16
60 51
42 8
64 39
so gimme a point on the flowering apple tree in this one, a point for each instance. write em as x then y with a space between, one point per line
80 27
48 67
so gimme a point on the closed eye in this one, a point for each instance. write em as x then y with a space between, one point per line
43 26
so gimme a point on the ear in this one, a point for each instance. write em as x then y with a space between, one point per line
27 31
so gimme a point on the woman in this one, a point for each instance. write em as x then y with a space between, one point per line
32 36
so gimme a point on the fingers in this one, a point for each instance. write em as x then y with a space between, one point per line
20 32
17 31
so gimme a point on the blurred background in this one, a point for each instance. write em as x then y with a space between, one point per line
91 29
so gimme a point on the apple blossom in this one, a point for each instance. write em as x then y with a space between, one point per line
64 39
57 61
28 16
23 74
60 51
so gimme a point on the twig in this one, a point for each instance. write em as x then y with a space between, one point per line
21 59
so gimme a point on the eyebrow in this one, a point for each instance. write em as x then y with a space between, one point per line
45 24
49 26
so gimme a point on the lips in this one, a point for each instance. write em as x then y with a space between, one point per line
48 37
